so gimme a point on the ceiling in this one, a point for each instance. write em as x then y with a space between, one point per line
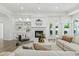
40 7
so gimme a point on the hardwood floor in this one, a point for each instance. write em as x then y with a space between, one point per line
9 45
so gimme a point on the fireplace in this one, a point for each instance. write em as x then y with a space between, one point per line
38 34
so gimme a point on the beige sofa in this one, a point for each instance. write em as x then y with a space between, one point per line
31 52
76 40
67 46
70 49
28 52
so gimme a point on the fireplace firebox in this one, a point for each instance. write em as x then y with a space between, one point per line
38 34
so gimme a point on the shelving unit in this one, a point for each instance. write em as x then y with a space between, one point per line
22 28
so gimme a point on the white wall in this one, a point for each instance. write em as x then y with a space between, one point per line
1 36
1 31
10 31
60 21
6 26
47 19
75 17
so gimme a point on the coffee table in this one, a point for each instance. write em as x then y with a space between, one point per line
42 46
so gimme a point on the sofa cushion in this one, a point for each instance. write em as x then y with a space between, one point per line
72 47
76 40
67 46
62 41
26 52
23 52
67 38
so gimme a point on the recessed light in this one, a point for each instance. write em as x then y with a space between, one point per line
20 19
73 12
38 8
56 7
22 7
27 19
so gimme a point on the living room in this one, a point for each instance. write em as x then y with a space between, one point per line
38 29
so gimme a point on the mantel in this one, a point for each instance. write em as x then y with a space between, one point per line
39 27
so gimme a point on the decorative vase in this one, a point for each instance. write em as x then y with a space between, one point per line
41 38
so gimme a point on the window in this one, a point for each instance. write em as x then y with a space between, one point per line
51 32
56 32
65 32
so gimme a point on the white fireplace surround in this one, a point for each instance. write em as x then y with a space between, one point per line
37 29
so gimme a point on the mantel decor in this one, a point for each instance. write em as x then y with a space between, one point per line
50 25
41 38
39 22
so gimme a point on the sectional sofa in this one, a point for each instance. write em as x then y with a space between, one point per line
69 48
69 45
29 52
66 46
